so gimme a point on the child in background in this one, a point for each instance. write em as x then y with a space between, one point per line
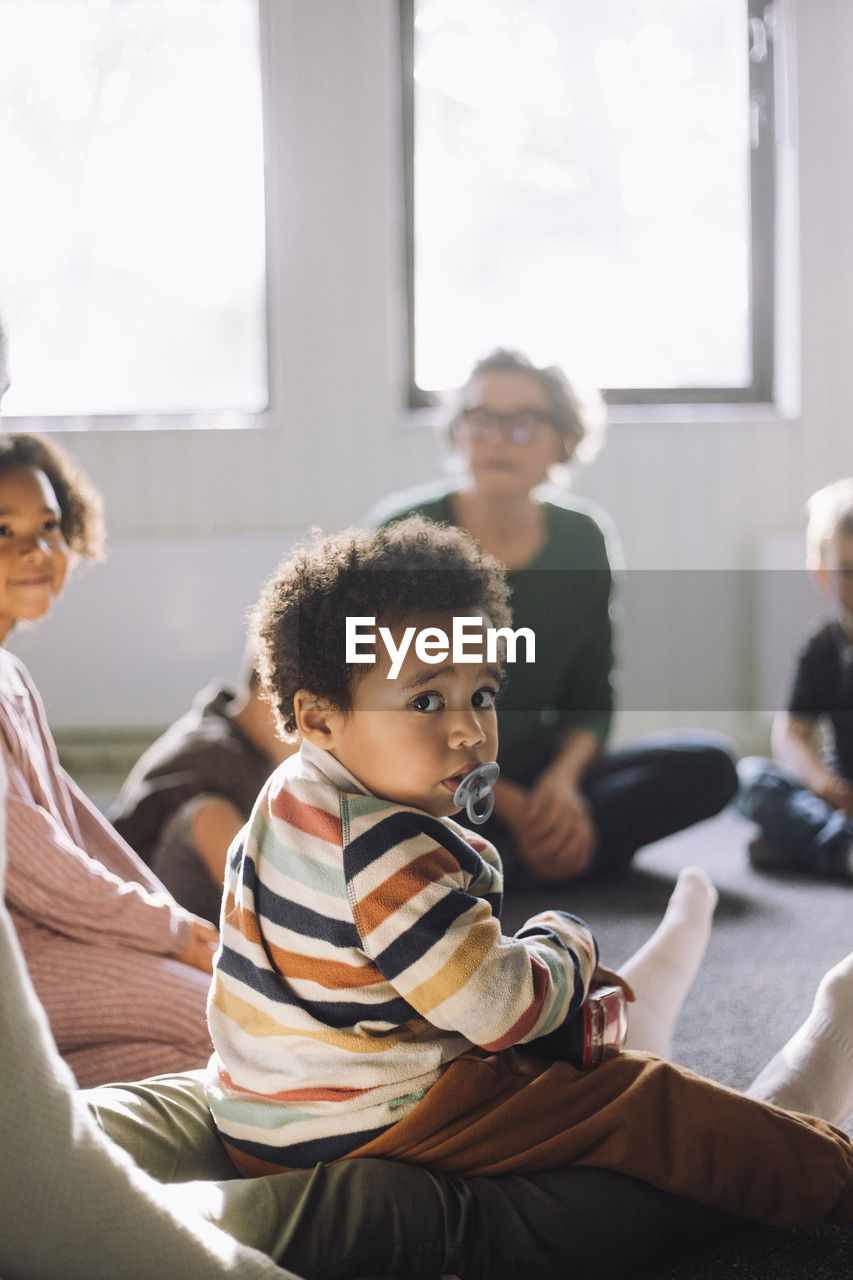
803 803
364 998
121 969
193 789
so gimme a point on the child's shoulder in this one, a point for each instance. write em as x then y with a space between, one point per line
822 643
386 836
302 797
15 680
319 799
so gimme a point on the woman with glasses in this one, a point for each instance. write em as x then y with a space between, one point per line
564 805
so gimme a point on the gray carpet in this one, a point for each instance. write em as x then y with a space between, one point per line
773 938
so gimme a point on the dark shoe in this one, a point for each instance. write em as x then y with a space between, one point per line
764 855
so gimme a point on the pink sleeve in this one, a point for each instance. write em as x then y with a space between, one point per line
67 870
58 886
102 841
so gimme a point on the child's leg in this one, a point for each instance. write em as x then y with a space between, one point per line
813 1072
662 971
118 1014
809 834
635 1114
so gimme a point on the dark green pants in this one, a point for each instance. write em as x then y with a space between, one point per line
379 1218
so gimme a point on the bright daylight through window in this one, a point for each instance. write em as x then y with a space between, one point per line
587 184
132 219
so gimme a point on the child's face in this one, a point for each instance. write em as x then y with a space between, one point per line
414 738
835 577
33 552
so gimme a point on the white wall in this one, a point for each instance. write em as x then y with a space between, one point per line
198 518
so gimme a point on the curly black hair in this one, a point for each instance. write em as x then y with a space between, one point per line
80 506
412 567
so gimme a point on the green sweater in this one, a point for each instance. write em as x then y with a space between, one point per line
563 594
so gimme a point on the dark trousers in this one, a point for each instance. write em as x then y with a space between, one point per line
382 1218
817 837
640 793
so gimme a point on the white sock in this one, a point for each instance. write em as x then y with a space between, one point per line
813 1072
662 971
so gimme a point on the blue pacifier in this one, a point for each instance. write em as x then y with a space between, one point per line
476 786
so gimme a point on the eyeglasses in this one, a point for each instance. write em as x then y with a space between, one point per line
520 426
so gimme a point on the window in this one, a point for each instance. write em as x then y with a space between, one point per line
592 183
132 269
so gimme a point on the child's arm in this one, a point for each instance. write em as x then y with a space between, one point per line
794 748
421 903
103 843
55 883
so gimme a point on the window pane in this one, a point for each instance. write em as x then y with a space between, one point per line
582 189
132 219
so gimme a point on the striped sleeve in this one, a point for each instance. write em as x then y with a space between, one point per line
427 921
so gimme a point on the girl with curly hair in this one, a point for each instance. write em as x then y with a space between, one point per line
121 969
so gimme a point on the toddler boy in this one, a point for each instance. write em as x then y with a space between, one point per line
364 998
803 803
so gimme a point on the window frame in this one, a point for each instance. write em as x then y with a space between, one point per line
759 37
198 419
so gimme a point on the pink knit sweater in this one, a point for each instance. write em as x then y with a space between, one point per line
96 926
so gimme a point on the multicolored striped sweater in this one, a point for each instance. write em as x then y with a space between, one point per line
361 953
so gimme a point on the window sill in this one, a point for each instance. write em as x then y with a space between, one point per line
741 411
133 423
731 411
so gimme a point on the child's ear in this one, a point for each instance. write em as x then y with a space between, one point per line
314 718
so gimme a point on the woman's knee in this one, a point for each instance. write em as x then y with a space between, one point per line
720 768
706 764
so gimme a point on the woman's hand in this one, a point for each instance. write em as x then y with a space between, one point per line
560 836
202 943
551 824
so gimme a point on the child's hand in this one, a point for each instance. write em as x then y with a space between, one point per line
838 793
202 943
610 978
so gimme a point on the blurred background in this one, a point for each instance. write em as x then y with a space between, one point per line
246 247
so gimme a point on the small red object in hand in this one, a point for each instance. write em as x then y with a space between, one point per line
605 1024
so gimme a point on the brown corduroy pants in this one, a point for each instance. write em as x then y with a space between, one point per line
635 1114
